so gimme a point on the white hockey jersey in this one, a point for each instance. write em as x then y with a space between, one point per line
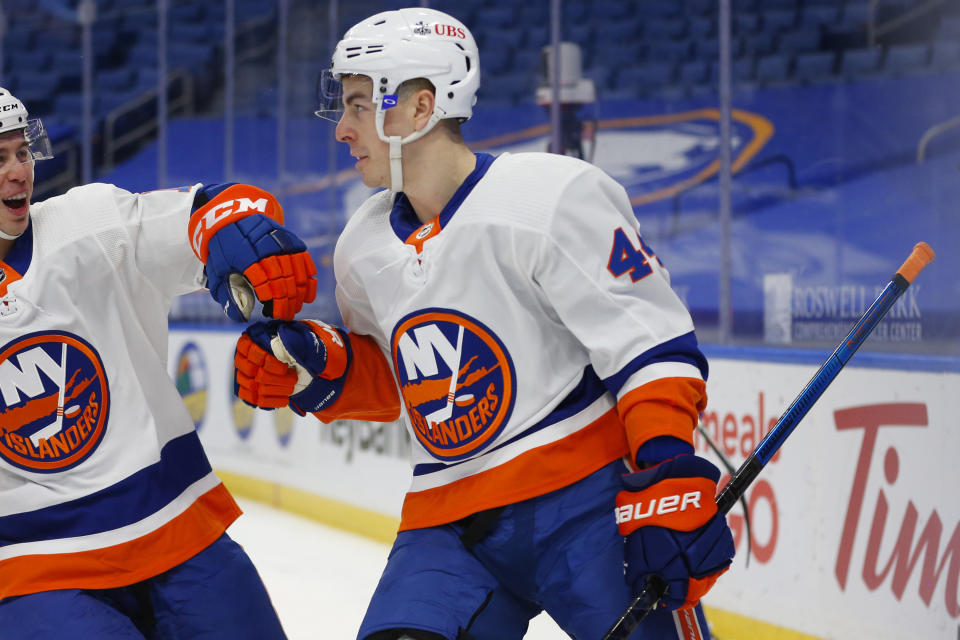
513 322
103 481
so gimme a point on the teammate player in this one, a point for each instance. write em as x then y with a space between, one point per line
510 310
111 520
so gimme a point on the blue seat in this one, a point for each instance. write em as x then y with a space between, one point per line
582 34
602 76
677 50
701 7
906 58
758 44
575 12
616 54
19 39
945 55
114 79
606 10
646 77
772 69
200 33
68 108
860 62
185 13
816 16
533 13
494 18
777 20
702 27
855 15
494 59
800 41
666 27
32 60
707 48
694 72
742 70
538 37
527 60
142 55
189 56
814 67
949 28
502 39
744 23
779 4
67 63
34 83
617 30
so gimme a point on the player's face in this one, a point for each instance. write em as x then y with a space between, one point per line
16 182
358 129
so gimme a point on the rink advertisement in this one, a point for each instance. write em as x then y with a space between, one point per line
854 532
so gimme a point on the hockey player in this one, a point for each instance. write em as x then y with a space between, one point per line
112 522
509 309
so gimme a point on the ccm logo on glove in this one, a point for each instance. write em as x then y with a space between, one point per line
246 200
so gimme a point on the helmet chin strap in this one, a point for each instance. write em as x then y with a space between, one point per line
396 142
396 164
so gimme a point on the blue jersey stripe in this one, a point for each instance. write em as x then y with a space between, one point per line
587 391
182 462
681 349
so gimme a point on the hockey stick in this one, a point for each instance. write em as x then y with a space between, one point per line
732 472
656 586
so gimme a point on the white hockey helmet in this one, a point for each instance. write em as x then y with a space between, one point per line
395 46
14 116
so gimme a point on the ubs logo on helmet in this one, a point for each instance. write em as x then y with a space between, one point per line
54 401
457 381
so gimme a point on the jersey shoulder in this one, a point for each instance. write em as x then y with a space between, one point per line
365 229
534 190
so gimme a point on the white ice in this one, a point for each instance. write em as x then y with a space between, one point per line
321 578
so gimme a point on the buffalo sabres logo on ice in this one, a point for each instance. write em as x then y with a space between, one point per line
54 401
457 381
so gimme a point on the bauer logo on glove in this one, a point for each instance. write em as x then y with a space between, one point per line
672 528
236 231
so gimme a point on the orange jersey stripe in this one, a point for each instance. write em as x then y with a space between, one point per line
127 563
8 275
664 407
369 392
533 473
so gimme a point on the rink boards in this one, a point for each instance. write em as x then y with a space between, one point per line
855 527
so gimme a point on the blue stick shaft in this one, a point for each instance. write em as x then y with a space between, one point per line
771 443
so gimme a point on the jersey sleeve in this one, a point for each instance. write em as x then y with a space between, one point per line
157 222
370 390
610 290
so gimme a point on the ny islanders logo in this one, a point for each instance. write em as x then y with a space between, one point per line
54 401
457 380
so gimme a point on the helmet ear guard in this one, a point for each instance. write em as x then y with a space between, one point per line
393 47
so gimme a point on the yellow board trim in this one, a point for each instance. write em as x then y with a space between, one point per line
724 625
326 510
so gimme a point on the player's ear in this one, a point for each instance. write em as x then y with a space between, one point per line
422 102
